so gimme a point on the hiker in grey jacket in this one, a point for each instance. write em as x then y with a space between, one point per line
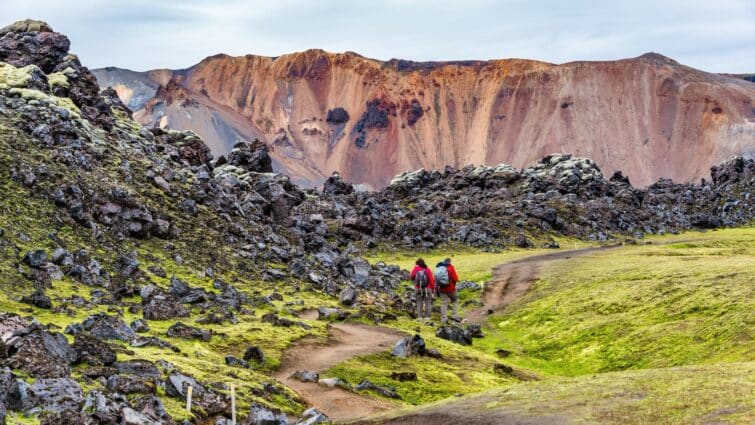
445 281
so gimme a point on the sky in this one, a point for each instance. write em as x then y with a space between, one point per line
715 36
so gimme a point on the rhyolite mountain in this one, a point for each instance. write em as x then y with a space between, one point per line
320 112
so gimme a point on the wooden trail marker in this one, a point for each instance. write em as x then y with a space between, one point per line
188 398
233 404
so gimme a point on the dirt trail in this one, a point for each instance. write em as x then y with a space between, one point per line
509 282
347 340
512 280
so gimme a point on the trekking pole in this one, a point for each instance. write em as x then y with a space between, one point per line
188 398
233 404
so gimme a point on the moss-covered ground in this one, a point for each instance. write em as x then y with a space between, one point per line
645 306
650 308
719 393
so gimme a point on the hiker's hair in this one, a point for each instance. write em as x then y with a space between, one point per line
447 261
421 262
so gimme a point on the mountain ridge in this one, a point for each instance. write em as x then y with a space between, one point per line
648 116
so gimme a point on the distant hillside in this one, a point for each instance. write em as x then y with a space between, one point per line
320 112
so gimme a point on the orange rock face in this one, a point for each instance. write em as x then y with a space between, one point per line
649 117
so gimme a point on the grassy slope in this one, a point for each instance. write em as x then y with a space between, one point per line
637 307
719 393
684 300
463 370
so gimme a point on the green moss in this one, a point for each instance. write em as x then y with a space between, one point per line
11 77
36 95
719 393
58 79
16 418
637 307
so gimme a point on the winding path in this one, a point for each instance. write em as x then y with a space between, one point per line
512 280
347 340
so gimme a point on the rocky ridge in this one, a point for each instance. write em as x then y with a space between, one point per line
496 207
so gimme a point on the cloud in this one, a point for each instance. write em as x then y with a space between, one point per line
141 34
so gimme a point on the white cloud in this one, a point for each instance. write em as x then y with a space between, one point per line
141 34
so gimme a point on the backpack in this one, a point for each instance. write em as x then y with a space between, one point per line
420 278
441 276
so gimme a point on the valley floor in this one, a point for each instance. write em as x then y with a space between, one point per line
660 332
656 332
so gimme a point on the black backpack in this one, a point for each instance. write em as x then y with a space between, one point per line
421 279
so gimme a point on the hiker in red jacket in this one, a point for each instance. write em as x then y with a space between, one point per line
424 287
446 278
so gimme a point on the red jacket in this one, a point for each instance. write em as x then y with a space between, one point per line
452 279
430 277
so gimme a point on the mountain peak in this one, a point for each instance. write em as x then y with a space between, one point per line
657 57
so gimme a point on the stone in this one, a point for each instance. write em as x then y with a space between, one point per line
152 407
160 307
140 326
143 368
161 183
236 362
261 415
503 369
468 285
32 42
38 299
105 327
454 334
39 353
130 384
92 351
348 296
36 258
208 401
409 346
335 186
334 382
329 313
105 407
384 391
126 265
475 330
180 330
185 294
313 416
306 376
45 394
132 417
404 376
254 354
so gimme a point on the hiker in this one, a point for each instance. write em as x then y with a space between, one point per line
445 280
424 287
